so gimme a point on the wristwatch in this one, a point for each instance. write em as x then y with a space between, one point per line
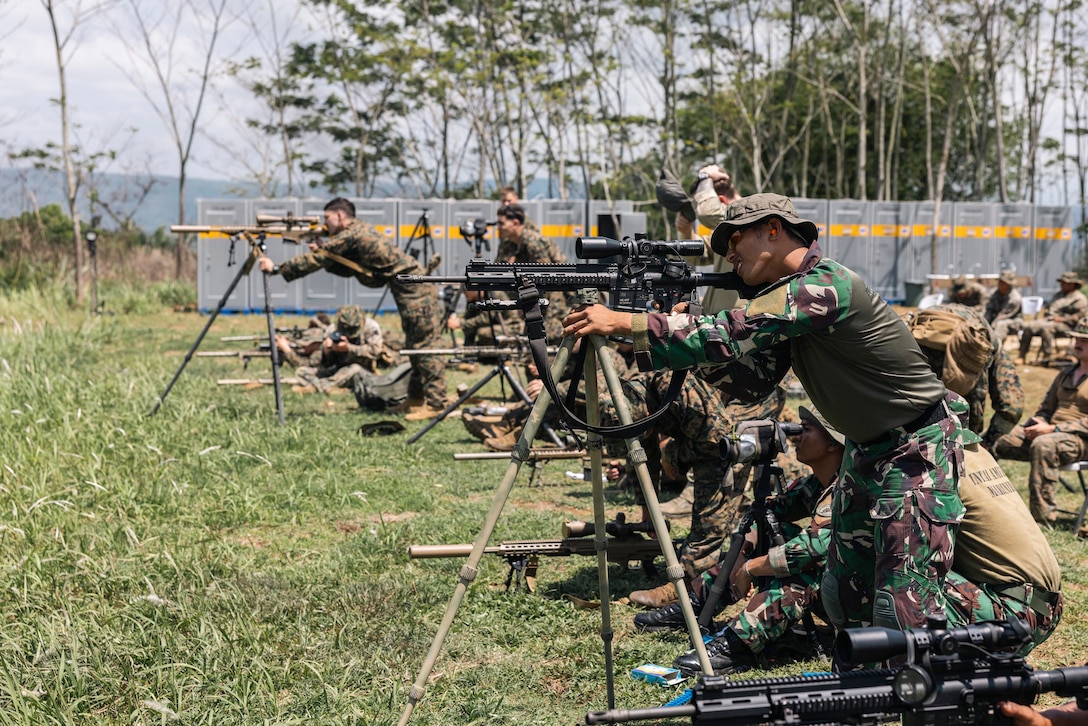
704 175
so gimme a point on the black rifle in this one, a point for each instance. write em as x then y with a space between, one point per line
650 274
951 676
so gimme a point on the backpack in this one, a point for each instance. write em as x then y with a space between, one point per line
382 392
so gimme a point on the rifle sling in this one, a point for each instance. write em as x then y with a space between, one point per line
529 303
350 264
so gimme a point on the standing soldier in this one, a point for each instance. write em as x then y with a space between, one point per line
1060 315
356 249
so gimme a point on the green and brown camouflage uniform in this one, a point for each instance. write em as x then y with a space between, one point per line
421 312
896 505
531 247
1005 313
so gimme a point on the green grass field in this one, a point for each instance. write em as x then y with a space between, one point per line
207 565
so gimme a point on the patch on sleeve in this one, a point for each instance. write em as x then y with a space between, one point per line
774 302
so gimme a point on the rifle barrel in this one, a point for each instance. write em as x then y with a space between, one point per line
542 454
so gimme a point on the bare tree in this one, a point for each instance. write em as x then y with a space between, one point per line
64 46
160 50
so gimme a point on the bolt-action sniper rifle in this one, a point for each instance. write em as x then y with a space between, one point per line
647 275
625 543
950 677
291 228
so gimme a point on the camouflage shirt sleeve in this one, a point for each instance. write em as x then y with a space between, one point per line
749 347
803 497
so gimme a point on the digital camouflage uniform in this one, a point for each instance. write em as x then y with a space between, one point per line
533 248
1005 313
896 504
419 306
781 600
999 380
1060 315
1066 406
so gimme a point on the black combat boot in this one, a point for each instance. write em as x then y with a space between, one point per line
727 654
669 617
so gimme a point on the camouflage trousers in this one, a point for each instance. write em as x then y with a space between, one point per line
777 606
969 602
696 422
331 377
895 510
421 319
1046 330
1047 454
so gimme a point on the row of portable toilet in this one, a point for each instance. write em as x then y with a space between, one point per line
898 247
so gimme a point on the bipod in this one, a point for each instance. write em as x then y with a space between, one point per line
422 231
595 445
769 533
501 368
257 248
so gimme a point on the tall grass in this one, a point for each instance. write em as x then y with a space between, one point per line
207 565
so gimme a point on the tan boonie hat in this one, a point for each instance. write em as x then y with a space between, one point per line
1070 277
1008 276
813 416
747 211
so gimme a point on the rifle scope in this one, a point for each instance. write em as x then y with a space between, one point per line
874 645
596 248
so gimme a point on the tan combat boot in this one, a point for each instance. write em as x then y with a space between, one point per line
655 599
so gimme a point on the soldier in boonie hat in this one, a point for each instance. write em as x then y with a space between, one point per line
1070 278
1007 276
751 210
814 416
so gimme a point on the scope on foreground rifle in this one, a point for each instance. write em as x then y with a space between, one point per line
650 274
950 677
524 556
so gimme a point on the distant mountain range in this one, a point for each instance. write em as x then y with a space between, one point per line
21 189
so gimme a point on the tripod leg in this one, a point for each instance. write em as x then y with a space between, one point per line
242 270
518 457
595 444
725 565
273 350
673 571
464 397
524 396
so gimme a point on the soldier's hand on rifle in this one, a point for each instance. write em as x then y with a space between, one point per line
534 387
283 343
266 263
597 320
1022 715
340 346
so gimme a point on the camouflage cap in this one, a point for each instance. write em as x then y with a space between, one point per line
813 416
349 319
1071 277
960 281
1081 329
750 210
1008 276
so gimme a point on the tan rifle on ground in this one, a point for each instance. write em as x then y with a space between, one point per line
624 543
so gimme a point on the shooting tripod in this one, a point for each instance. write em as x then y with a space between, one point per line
769 533
422 232
257 248
595 445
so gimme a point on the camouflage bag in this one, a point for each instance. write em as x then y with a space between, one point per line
381 393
